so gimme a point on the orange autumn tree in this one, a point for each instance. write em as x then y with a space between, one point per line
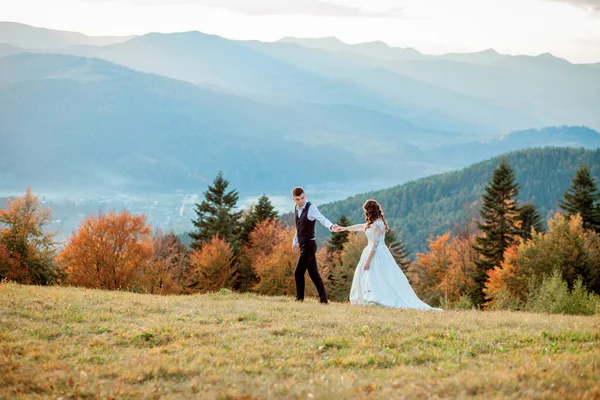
211 267
429 269
28 254
269 252
444 274
167 271
10 267
108 251
273 261
458 280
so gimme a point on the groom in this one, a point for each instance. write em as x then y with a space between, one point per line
304 241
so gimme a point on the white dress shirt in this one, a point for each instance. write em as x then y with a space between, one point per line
313 214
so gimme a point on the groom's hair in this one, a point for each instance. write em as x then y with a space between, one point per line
297 191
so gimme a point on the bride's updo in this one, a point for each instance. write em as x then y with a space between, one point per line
373 212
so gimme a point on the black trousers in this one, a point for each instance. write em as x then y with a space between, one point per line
308 261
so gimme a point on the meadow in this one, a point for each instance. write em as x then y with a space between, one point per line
70 343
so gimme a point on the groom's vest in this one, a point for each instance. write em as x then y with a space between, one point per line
305 228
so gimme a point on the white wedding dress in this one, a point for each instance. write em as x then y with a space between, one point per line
384 283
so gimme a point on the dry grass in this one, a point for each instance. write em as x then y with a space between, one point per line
74 343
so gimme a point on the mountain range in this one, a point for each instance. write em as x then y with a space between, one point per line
163 113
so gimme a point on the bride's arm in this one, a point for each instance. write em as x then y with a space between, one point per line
378 237
354 228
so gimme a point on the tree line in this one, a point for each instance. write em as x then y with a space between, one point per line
505 258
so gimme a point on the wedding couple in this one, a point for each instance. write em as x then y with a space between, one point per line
377 279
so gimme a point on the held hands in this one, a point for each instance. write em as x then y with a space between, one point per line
336 228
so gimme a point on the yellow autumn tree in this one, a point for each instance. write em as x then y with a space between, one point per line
567 247
444 274
274 261
29 248
108 251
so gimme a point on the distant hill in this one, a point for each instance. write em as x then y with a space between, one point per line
90 123
556 136
73 122
376 49
7 49
543 87
381 50
440 203
32 37
260 71
470 96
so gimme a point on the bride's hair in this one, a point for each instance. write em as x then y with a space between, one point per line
373 212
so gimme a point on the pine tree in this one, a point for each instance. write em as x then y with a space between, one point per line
582 198
500 225
262 211
339 239
398 249
216 215
530 218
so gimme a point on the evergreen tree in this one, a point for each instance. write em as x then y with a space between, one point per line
216 215
339 239
398 249
500 225
262 211
582 198
530 218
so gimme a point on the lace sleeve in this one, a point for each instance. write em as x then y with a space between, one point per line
378 233
356 228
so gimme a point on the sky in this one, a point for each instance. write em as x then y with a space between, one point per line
566 28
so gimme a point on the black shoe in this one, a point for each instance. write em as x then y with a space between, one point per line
323 302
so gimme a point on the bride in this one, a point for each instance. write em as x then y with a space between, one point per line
378 279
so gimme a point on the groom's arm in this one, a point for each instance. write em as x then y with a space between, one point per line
315 214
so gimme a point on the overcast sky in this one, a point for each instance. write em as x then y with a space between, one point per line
565 28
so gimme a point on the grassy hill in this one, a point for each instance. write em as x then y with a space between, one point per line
76 343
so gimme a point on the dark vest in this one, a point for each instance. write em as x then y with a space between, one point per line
305 228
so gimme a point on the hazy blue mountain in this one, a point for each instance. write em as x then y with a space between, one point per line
375 49
68 121
7 49
478 57
381 50
76 122
31 37
561 136
478 95
544 87
423 104
442 203
279 72
549 88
